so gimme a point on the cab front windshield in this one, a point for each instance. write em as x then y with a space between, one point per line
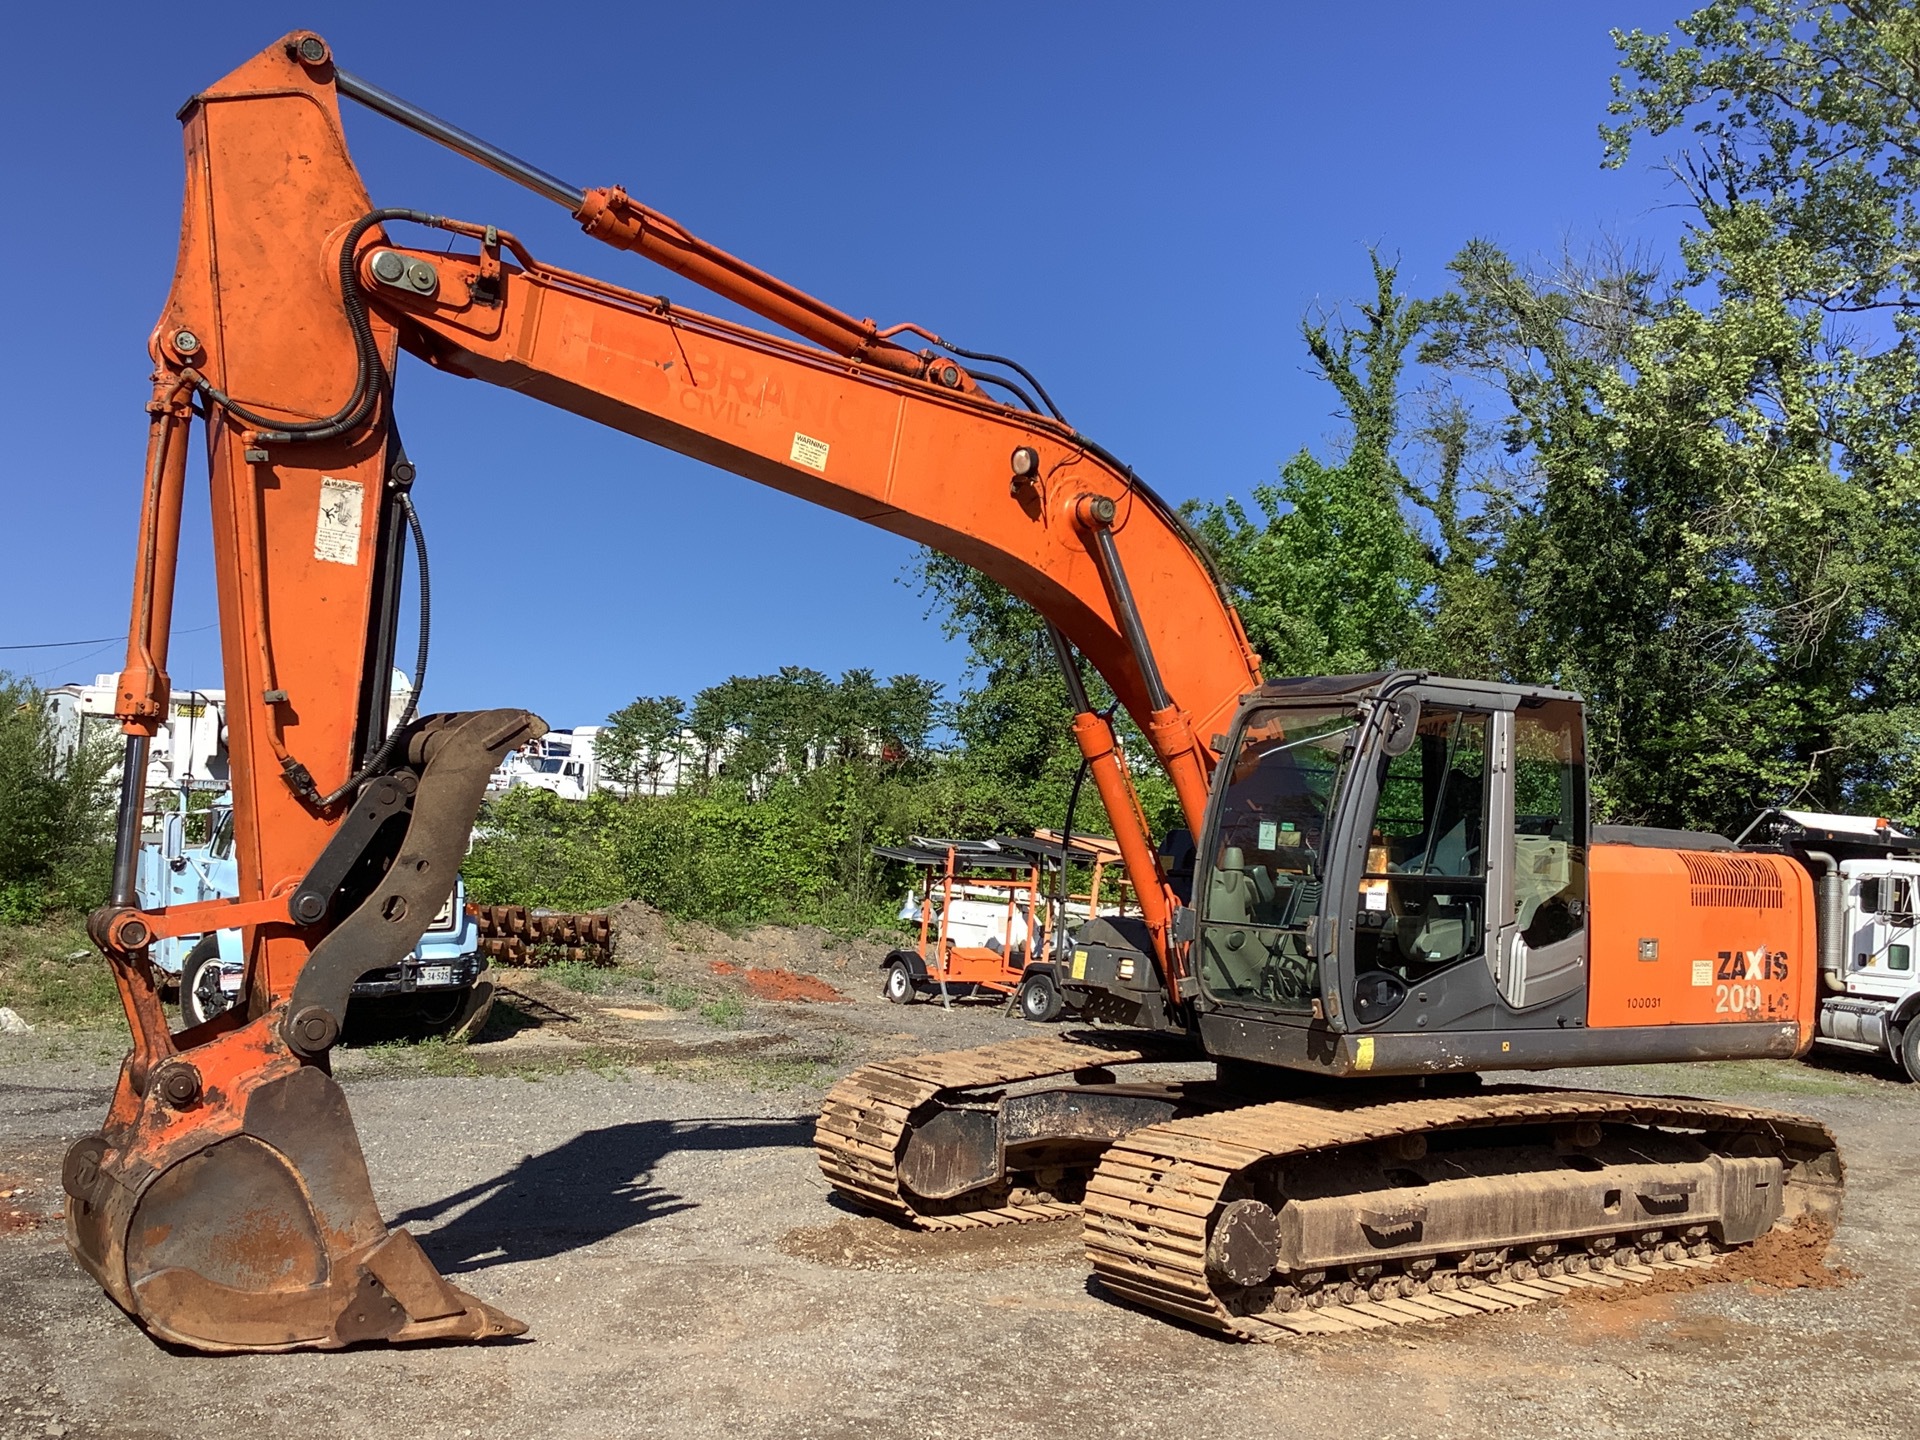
1264 880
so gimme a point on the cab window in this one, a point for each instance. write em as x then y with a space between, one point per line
1549 823
1263 880
1422 902
220 847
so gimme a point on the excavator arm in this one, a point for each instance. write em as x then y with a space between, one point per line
225 1202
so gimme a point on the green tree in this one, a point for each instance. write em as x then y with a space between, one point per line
1016 758
1331 576
56 815
755 728
1802 255
642 738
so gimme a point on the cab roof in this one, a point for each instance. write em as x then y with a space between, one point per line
1496 694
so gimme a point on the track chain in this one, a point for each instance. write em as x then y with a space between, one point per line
1150 1202
864 1119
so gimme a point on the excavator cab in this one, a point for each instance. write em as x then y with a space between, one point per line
1391 855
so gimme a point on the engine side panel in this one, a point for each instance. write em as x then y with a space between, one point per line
1700 938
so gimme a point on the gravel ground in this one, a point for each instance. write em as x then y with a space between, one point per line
639 1188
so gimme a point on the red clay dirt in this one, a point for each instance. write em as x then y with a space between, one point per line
779 985
15 1215
1792 1257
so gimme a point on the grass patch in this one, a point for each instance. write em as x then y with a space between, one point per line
455 1059
582 978
51 975
726 1010
1744 1077
432 1056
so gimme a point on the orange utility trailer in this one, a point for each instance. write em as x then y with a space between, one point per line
992 917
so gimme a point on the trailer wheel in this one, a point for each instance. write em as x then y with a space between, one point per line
1040 999
1910 1048
898 986
201 995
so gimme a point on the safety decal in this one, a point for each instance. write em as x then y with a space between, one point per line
809 452
336 535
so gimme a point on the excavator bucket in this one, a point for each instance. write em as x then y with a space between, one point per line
251 1225
225 1203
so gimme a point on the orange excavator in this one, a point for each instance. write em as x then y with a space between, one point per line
1386 886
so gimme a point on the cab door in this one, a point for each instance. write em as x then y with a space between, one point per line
1538 888
1262 877
1883 934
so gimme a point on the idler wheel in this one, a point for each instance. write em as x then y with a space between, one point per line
1245 1244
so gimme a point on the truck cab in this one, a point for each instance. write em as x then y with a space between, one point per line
438 984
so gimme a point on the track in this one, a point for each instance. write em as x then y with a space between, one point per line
1156 1201
865 1118
1159 1203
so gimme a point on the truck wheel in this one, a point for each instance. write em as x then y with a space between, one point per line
898 986
1040 999
201 995
457 1014
1910 1048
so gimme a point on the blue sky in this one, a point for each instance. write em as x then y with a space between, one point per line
1138 201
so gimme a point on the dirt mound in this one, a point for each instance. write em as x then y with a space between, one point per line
1792 1257
779 984
644 935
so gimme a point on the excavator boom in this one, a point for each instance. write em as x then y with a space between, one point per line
292 297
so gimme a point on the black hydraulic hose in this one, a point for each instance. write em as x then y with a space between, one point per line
369 376
1013 365
384 755
1061 894
1077 699
1173 518
1006 384
425 582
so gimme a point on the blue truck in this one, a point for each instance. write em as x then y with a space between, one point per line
438 989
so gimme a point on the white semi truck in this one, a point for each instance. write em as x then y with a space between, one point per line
1866 877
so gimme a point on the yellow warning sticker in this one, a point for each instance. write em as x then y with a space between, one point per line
809 452
1079 964
1363 1053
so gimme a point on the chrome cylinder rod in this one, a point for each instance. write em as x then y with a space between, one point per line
454 138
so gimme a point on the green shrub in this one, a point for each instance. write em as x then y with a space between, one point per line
798 852
56 812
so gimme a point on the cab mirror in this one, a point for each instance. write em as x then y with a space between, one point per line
1401 724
